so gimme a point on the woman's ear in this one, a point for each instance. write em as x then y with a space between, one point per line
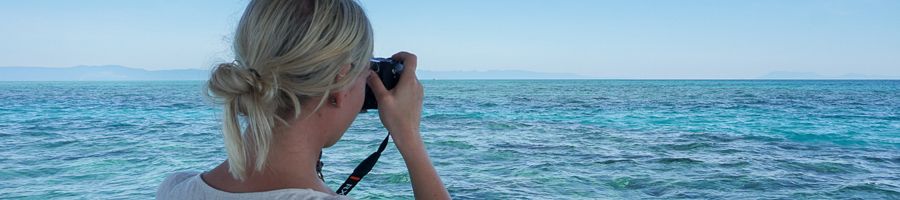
336 99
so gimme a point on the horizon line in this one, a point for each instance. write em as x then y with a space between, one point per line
524 75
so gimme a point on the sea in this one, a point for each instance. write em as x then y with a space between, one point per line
490 139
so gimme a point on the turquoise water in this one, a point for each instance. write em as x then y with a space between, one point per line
546 139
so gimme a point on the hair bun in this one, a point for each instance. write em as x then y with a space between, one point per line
229 80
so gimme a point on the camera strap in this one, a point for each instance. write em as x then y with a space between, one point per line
362 169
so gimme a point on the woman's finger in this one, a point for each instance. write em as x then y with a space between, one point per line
376 86
409 61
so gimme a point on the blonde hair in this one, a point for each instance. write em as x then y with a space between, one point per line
285 52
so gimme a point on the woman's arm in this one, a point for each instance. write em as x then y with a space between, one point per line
425 181
400 110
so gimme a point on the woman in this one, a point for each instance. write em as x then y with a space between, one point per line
299 81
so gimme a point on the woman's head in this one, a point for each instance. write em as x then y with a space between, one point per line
288 55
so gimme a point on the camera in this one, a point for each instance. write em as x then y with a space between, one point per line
388 70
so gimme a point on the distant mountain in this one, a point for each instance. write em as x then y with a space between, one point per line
98 73
812 75
121 73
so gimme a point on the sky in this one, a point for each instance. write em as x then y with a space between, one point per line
604 39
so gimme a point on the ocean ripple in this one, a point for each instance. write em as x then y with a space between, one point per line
496 139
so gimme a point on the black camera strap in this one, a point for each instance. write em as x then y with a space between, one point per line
362 169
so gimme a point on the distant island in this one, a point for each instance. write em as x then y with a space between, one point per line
122 73
816 76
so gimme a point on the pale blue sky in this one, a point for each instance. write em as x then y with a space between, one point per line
617 39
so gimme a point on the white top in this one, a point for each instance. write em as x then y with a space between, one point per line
189 185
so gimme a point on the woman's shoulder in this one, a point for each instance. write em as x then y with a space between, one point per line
173 183
178 177
190 185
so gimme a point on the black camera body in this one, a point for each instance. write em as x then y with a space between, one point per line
388 71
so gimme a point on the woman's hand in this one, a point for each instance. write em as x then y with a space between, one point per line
400 108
